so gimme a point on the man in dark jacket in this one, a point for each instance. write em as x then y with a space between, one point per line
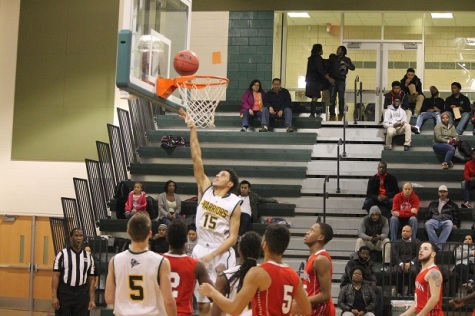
373 233
404 259
341 65
360 259
412 87
277 104
432 108
442 214
396 91
458 107
381 189
249 206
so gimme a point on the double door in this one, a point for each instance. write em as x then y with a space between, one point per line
378 64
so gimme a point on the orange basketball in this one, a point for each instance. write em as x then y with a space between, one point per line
186 63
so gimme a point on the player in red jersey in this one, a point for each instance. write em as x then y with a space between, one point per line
428 296
317 277
272 286
184 269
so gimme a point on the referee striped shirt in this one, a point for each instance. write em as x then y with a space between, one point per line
75 267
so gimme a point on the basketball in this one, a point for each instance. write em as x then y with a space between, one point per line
186 63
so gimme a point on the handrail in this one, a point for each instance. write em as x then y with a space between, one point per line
338 166
325 197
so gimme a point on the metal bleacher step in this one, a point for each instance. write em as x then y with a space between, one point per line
353 151
353 135
347 168
353 187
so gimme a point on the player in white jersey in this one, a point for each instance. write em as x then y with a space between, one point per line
138 280
217 216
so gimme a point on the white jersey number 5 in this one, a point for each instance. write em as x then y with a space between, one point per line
287 299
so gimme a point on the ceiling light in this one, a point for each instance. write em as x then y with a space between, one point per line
442 15
298 15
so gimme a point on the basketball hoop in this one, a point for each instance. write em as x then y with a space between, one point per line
200 95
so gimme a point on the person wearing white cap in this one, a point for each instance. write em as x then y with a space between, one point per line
442 214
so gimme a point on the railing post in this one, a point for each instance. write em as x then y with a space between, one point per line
325 197
338 166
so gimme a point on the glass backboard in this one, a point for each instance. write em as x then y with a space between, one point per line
154 31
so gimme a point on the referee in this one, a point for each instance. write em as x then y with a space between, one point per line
73 284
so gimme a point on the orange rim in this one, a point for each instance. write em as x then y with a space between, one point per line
165 86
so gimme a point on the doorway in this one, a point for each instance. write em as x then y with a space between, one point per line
378 64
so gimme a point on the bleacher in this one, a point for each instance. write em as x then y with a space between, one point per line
298 169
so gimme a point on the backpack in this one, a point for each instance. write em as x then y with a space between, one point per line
152 207
121 190
463 150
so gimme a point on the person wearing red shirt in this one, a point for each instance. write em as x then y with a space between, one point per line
429 285
468 182
317 278
272 286
404 212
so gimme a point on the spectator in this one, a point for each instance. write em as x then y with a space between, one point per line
468 182
404 259
412 86
252 103
277 104
445 138
315 77
357 298
362 260
396 123
136 201
192 239
458 107
405 210
442 215
431 109
249 206
373 233
339 71
169 203
381 189
159 243
396 91
464 262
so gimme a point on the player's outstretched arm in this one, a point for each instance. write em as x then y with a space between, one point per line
201 274
166 288
459 302
110 284
198 169
301 304
255 279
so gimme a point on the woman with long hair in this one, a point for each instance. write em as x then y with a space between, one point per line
252 103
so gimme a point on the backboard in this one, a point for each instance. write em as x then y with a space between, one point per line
153 32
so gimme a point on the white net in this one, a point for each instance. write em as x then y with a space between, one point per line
201 96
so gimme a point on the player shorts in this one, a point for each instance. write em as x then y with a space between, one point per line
228 258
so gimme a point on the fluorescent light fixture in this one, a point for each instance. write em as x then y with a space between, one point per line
298 15
442 15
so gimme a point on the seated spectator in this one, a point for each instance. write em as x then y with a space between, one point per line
192 239
404 259
357 298
442 215
169 203
412 87
458 107
249 206
136 201
396 123
381 189
431 109
464 263
445 138
373 233
405 210
277 103
396 91
468 182
361 259
252 104
159 243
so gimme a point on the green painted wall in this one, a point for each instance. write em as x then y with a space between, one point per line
65 78
250 48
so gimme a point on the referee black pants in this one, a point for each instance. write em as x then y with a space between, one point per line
73 300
